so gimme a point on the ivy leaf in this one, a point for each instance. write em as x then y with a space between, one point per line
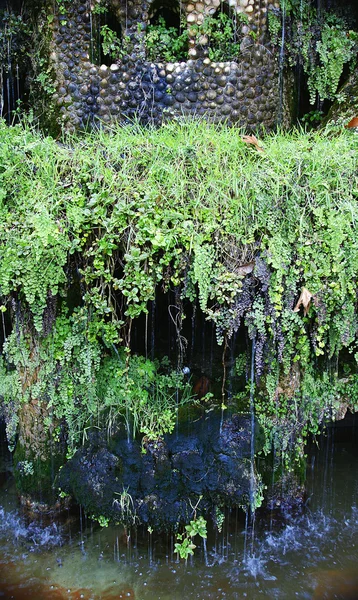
304 300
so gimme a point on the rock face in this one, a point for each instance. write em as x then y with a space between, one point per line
244 92
159 483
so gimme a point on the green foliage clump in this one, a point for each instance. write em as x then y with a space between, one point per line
86 389
92 227
166 44
112 45
184 545
320 42
334 50
224 35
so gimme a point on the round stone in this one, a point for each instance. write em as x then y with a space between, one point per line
221 80
226 109
211 94
192 96
229 90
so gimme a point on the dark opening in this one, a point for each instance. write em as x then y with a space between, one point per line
107 38
167 10
343 8
224 8
14 62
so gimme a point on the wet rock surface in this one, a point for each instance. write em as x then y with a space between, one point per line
158 483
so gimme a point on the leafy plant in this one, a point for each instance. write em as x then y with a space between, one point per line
93 228
103 521
318 41
125 505
166 43
14 38
223 32
99 8
334 50
184 546
112 45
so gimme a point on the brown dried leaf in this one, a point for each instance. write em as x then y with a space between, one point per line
352 123
304 300
245 269
252 140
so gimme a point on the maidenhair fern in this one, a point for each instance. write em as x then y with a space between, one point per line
320 42
334 50
203 269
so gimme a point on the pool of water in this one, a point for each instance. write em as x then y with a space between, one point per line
312 554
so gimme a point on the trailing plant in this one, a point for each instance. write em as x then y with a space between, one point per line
91 229
62 6
14 39
320 42
334 50
99 7
139 393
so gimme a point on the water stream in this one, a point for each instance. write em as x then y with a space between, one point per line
310 554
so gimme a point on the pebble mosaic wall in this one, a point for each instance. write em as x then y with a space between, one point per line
244 92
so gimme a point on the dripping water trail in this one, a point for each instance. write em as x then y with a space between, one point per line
205 553
17 82
232 367
250 514
91 34
192 333
203 345
128 345
146 336
152 335
272 485
281 65
8 90
150 548
1 92
223 362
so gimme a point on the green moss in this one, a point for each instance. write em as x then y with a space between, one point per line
35 476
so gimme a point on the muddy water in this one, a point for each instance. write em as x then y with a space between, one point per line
309 555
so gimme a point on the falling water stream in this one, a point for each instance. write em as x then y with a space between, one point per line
308 554
281 64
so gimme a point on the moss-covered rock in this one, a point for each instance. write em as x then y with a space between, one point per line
38 456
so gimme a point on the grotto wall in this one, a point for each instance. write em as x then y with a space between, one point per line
244 92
